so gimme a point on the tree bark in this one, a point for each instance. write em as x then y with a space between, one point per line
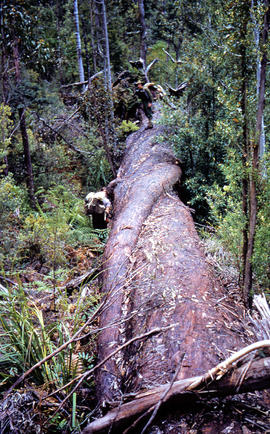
87 56
27 158
4 73
257 43
245 145
107 72
93 41
156 275
4 59
109 112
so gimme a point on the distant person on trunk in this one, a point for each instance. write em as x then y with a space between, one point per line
99 206
146 98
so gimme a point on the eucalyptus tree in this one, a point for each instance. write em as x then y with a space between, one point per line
219 126
143 45
78 41
239 19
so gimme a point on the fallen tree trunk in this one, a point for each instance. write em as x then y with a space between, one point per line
248 377
156 274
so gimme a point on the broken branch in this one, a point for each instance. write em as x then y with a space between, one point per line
257 378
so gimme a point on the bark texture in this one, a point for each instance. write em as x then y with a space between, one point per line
156 275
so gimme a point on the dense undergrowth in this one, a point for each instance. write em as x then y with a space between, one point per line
44 248
211 185
75 145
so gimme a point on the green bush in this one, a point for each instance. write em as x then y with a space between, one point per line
199 153
13 199
261 255
13 206
126 128
26 337
59 222
226 213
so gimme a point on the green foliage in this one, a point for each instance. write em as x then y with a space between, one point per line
12 199
261 255
162 71
5 139
31 33
98 171
126 128
200 149
226 213
13 204
32 93
46 235
26 337
67 59
60 222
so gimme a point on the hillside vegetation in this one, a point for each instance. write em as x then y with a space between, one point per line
68 104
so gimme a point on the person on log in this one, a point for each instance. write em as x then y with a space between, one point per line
156 90
99 206
146 99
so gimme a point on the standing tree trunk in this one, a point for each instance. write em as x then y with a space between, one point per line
107 72
78 41
257 42
4 59
93 42
245 146
143 47
255 160
87 57
109 113
23 129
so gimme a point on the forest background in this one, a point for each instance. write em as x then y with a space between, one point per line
60 140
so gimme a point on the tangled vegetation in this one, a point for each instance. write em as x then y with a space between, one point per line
60 140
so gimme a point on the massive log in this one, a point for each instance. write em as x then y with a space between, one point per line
156 275
257 376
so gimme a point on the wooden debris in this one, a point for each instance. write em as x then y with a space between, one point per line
219 381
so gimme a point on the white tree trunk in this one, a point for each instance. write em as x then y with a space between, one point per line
257 41
143 47
107 49
78 41
109 119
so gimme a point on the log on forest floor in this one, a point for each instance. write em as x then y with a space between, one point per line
156 275
223 380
